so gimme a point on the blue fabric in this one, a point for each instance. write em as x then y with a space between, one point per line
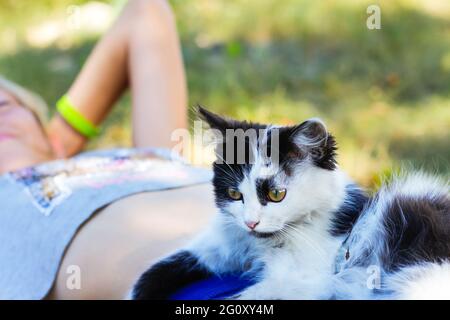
214 288
41 208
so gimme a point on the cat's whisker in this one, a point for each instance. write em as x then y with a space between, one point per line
321 251
224 162
229 177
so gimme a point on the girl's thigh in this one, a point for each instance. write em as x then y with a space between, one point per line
121 241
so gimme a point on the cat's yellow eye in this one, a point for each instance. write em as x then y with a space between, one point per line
276 195
234 194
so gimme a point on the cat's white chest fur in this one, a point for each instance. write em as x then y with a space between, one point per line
300 268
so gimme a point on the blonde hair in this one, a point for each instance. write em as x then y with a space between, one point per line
28 99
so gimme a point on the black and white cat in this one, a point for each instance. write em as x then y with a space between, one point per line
291 218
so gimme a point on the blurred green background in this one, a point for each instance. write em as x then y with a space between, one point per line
384 93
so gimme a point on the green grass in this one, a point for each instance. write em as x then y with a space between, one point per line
385 93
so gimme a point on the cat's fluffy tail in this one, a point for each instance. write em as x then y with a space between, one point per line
405 232
415 185
416 225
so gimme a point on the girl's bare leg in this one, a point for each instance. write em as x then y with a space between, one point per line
141 50
157 80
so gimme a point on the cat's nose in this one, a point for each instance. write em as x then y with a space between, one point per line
252 224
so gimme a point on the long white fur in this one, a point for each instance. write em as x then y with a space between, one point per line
425 281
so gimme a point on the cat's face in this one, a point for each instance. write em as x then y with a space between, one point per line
285 176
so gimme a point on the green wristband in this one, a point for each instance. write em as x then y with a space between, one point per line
75 118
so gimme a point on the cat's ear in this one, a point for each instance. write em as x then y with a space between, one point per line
312 131
223 123
214 120
312 137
